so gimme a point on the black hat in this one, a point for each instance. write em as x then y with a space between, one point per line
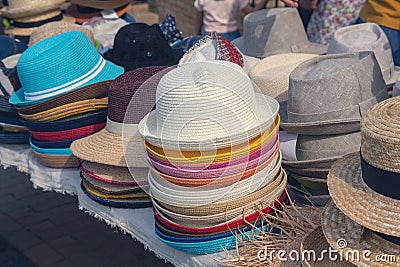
139 45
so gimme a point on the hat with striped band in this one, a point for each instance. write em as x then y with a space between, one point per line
57 161
205 106
131 96
81 65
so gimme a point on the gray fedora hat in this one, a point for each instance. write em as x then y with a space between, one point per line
301 198
366 37
329 94
320 150
275 31
310 172
317 186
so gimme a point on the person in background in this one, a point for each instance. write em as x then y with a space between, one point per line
221 15
385 13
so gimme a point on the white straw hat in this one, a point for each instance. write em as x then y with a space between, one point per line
366 37
207 105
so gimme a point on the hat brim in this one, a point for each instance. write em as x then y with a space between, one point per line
315 241
93 91
14 138
301 199
337 226
356 199
394 77
315 163
319 128
72 10
109 72
310 48
31 9
148 129
310 172
28 31
318 186
111 149
56 161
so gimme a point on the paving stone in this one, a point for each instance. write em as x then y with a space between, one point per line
43 255
24 239
8 226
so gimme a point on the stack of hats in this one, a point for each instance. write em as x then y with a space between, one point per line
84 10
25 16
12 131
140 45
10 46
365 191
213 148
326 99
367 37
106 155
70 105
275 31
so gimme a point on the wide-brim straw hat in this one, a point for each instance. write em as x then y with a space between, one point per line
124 203
275 31
351 239
54 28
13 138
271 75
188 99
131 96
24 9
109 189
21 31
67 110
315 241
93 91
101 4
115 175
56 161
358 201
101 193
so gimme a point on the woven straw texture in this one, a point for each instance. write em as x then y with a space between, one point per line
337 226
93 91
131 97
67 110
275 31
381 135
23 8
359 202
115 175
330 79
55 28
94 191
315 241
108 188
57 161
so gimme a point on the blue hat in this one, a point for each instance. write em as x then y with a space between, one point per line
13 138
10 46
60 64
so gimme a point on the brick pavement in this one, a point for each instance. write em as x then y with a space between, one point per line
46 229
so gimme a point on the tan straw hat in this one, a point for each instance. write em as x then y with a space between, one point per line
271 74
131 96
57 161
17 9
366 187
54 28
359 245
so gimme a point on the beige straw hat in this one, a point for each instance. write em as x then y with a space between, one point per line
54 28
271 74
57 161
315 241
17 9
365 187
352 239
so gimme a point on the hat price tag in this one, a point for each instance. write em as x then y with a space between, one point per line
109 14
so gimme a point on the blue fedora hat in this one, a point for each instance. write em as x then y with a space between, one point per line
11 118
10 46
13 138
60 64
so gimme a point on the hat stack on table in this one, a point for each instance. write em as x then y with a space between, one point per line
25 16
12 130
62 100
106 155
327 97
364 186
213 148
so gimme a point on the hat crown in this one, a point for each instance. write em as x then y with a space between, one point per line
334 87
40 68
381 135
276 30
132 95
364 37
23 3
212 98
